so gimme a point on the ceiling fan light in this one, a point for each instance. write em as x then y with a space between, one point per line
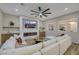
66 9
40 14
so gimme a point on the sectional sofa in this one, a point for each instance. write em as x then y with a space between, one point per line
51 46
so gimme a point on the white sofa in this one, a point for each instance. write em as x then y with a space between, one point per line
58 48
54 46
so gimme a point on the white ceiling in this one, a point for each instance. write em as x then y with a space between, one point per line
57 9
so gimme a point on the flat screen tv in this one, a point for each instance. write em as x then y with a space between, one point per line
30 24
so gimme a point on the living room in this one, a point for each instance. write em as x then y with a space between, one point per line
47 28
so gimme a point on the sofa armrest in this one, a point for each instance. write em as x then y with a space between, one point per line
64 45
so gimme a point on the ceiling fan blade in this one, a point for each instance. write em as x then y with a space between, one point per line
35 16
34 11
39 8
48 13
44 15
46 10
32 14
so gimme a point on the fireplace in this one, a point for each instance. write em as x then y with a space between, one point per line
29 34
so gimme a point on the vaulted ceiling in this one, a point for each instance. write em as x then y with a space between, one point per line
57 9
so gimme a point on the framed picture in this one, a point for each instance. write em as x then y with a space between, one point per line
62 27
51 27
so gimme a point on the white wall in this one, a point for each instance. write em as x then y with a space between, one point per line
5 23
74 35
0 21
0 25
7 18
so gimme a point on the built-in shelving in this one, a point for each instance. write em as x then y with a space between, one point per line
11 27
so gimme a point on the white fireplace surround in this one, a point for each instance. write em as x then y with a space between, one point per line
23 30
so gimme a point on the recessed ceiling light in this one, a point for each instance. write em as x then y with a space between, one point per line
17 10
66 9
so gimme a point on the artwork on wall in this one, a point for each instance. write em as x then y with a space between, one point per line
73 26
51 27
62 27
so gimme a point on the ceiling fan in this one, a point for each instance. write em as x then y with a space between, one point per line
40 13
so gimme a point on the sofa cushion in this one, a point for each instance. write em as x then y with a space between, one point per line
51 50
49 42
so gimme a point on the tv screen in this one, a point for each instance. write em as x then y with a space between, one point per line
30 24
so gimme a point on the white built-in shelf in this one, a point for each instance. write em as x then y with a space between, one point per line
11 27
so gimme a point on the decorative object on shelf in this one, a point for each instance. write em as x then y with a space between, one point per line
62 28
41 28
41 13
11 23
